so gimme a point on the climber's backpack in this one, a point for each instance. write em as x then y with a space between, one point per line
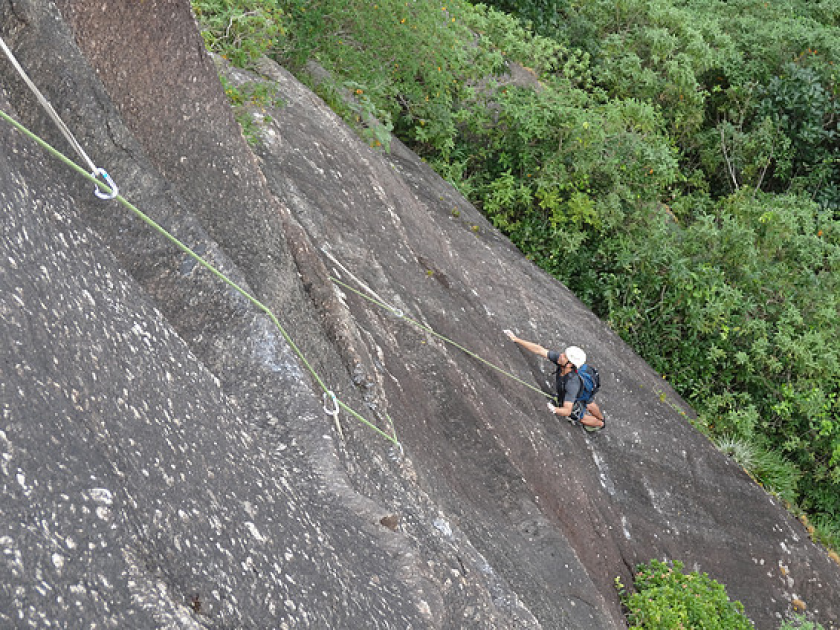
591 382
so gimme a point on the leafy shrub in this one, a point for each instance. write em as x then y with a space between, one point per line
241 30
546 17
800 622
246 99
806 113
667 599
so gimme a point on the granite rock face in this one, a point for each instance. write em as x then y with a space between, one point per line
165 458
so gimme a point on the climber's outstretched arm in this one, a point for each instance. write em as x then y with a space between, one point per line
528 345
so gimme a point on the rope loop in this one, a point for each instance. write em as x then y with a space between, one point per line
329 395
101 193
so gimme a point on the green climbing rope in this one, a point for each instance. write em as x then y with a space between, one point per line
154 225
400 314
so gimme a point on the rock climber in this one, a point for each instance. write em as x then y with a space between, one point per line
572 401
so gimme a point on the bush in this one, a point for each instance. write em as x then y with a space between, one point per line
668 599
241 30
800 622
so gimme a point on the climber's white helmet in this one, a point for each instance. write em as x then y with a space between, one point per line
575 355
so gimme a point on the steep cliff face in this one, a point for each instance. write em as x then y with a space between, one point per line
166 460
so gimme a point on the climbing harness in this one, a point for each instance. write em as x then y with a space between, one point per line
371 297
95 171
328 393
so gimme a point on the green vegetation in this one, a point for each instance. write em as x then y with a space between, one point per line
668 599
675 162
246 99
799 622
766 466
241 30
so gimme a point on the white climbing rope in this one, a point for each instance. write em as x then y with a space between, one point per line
396 311
94 170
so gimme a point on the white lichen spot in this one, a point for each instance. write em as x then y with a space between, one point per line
254 531
58 561
443 527
424 608
624 528
101 495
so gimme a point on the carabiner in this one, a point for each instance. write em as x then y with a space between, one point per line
99 192
334 411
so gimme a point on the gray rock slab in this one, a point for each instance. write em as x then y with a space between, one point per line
164 456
